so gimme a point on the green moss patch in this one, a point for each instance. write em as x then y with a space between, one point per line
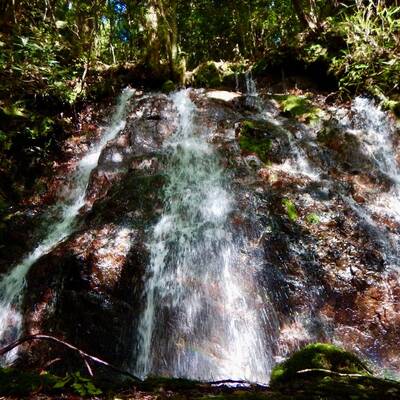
216 75
312 218
168 87
290 209
318 356
393 106
252 140
299 107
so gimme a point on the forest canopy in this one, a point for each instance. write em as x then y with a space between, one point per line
56 54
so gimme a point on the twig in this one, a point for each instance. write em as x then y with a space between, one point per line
328 371
237 382
84 355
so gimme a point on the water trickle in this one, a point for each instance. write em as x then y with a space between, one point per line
376 131
12 284
252 97
201 319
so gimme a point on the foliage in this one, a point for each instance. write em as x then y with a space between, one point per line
54 53
15 382
81 385
314 385
371 60
290 209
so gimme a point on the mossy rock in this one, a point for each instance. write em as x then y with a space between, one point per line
263 138
168 87
318 356
299 107
207 75
253 141
329 133
393 106
217 75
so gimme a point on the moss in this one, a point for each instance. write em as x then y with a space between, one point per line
22 384
317 356
290 209
312 218
328 134
208 75
217 75
157 383
252 140
168 87
299 107
393 106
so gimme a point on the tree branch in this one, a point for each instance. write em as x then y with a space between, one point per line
85 356
361 376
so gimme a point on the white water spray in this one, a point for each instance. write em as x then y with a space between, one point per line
375 132
201 319
252 97
12 284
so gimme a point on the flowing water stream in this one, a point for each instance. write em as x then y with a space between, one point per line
12 284
375 132
199 287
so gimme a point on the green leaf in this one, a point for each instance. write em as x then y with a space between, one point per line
24 40
14 111
92 389
60 384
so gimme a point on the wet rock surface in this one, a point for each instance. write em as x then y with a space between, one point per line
328 270
89 290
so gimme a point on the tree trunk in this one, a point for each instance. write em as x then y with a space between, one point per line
307 19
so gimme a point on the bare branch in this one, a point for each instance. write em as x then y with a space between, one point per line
86 357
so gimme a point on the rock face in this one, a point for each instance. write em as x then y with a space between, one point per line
89 289
328 268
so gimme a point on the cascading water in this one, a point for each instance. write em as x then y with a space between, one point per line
376 135
200 319
375 131
12 284
252 98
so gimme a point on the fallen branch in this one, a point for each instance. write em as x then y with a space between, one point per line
328 371
85 356
234 382
361 376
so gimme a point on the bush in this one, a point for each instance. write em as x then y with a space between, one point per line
371 61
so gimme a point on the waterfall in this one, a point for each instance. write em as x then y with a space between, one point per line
12 284
375 131
201 319
252 99
376 135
